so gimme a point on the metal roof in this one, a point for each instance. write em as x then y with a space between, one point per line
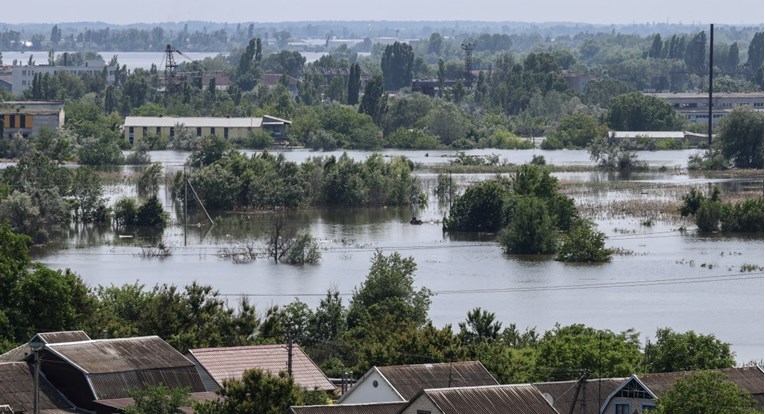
690 95
371 408
231 362
17 387
647 134
562 393
120 354
122 403
408 380
748 378
192 122
60 337
499 399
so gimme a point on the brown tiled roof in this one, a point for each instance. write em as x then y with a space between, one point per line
231 362
17 387
371 408
408 380
498 399
562 393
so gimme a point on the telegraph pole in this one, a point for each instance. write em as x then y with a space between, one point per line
711 74
289 354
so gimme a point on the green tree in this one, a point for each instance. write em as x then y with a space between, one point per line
567 350
755 52
354 84
480 326
638 112
706 392
87 196
531 229
480 208
583 243
151 213
159 400
740 137
397 66
688 351
374 101
257 392
579 130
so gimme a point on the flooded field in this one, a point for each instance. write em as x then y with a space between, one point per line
666 275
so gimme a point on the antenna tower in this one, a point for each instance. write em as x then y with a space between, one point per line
468 47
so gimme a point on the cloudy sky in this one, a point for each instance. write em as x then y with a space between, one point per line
234 11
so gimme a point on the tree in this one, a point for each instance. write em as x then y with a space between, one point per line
397 66
705 392
656 47
688 351
583 243
480 208
638 112
531 229
354 84
374 101
480 326
388 292
87 194
579 130
257 392
740 137
159 400
755 52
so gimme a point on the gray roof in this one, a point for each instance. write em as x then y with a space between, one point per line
371 408
748 378
62 336
408 380
201 122
562 393
17 387
499 399
690 95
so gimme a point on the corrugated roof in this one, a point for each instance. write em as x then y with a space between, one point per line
562 393
408 380
121 403
192 122
61 337
691 95
648 134
120 354
231 362
18 354
17 388
499 399
372 408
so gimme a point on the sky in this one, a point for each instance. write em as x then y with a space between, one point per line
237 11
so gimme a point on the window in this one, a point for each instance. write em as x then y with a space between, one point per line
647 408
145 130
199 131
212 131
423 412
172 131
622 409
225 133
159 130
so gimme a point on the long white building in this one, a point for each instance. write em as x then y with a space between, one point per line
695 106
22 76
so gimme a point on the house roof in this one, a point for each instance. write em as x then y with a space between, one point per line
371 408
691 95
561 393
408 380
122 403
231 362
647 134
21 352
748 378
191 122
521 399
17 387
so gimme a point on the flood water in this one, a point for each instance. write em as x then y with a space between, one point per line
669 278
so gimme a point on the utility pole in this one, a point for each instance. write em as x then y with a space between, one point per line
711 74
185 204
36 402
289 354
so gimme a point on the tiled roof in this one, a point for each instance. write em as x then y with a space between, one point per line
498 399
17 387
231 362
371 408
408 380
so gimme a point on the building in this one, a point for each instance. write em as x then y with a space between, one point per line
28 118
371 408
91 373
216 365
17 391
402 382
695 106
634 394
271 80
636 136
496 399
137 127
22 76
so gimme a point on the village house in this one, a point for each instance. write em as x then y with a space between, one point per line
494 399
402 382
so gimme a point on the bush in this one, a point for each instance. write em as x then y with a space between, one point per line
583 243
304 250
480 208
531 229
125 212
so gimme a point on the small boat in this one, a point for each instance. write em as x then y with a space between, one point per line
415 221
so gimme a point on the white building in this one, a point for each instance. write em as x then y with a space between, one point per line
22 76
695 106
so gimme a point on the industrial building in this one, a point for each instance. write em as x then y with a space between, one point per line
695 106
29 117
22 76
137 127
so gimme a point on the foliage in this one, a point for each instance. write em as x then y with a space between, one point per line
740 137
99 151
304 250
638 112
150 213
613 156
577 131
705 392
480 326
159 400
397 64
583 243
86 194
567 350
257 392
688 351
212 148
148 181
480 208
531 229
712 214
374 100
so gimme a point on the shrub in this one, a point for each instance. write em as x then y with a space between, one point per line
531 229
583 243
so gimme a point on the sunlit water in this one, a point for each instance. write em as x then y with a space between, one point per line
671 278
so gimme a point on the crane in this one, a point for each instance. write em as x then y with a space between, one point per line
173 79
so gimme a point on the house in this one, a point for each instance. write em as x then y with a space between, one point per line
29 117
17 391
495 399
22 76
402 382
21 353
137 127
370 408
271 80
215 365
682 136
89 371
637 393
695 106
